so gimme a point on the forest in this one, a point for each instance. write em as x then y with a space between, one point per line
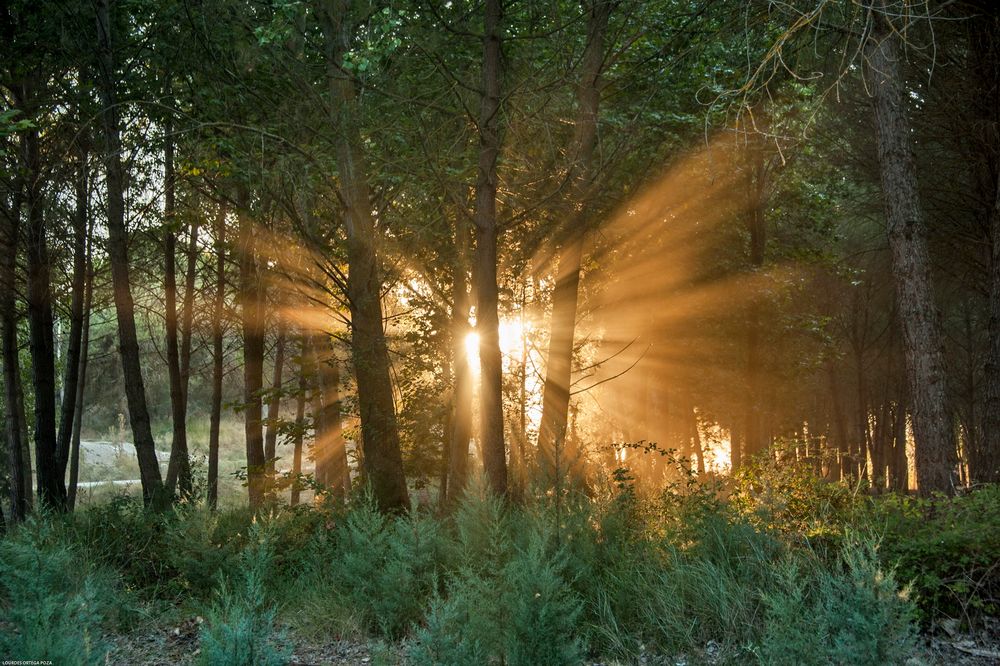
508 332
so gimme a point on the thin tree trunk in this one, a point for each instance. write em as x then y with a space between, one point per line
485 262
185 326
461 416
77 315
178 469
559 366
274 401
923 347
330 449
51 484
215 411
300 421
74 460
14 419
757 440
383 460
135 391
252 320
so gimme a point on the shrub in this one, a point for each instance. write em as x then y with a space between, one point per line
852 614
54 600
375 570
947 549
240 629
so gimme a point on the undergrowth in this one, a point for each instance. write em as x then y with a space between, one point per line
782 568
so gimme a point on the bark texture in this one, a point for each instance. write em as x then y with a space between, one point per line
215 410
485 266
252 321
135 391
383 460
906 230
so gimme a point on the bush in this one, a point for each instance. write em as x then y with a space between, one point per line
240 629
55 601
852 614
374 570
507 600
947 549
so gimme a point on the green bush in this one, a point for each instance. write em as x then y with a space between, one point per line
54 600
373 570
947 549
506 601
851 614
240 629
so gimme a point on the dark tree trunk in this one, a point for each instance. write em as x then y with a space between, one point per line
383 460
135 391
559 366
274 401
51 483
923 348
179 468
330 450
215 411
300 422
74 459
461 415
77 316
14 419
756 439
252 320
485 263
984 49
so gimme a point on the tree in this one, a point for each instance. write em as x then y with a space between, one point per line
485 260
149 468
935 445
383 460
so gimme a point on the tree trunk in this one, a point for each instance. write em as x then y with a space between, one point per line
215 411
923 349
252 320
77 316
81 385
300 423
485 262
559 365
51 483
14 419
984 48
274 402
461 416
756 440
135 391
383 460
330 449
179 468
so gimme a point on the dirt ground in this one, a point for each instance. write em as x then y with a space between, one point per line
178 644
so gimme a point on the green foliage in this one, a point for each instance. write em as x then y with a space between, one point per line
852 614
54 601
376 570
542 609
508 599
240 629
796 500
947 549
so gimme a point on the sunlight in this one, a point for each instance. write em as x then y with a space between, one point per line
512 334
472 349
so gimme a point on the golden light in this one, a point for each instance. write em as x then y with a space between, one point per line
472 349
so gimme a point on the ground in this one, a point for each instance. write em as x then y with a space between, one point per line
178 645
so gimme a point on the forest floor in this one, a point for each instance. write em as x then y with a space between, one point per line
178 644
